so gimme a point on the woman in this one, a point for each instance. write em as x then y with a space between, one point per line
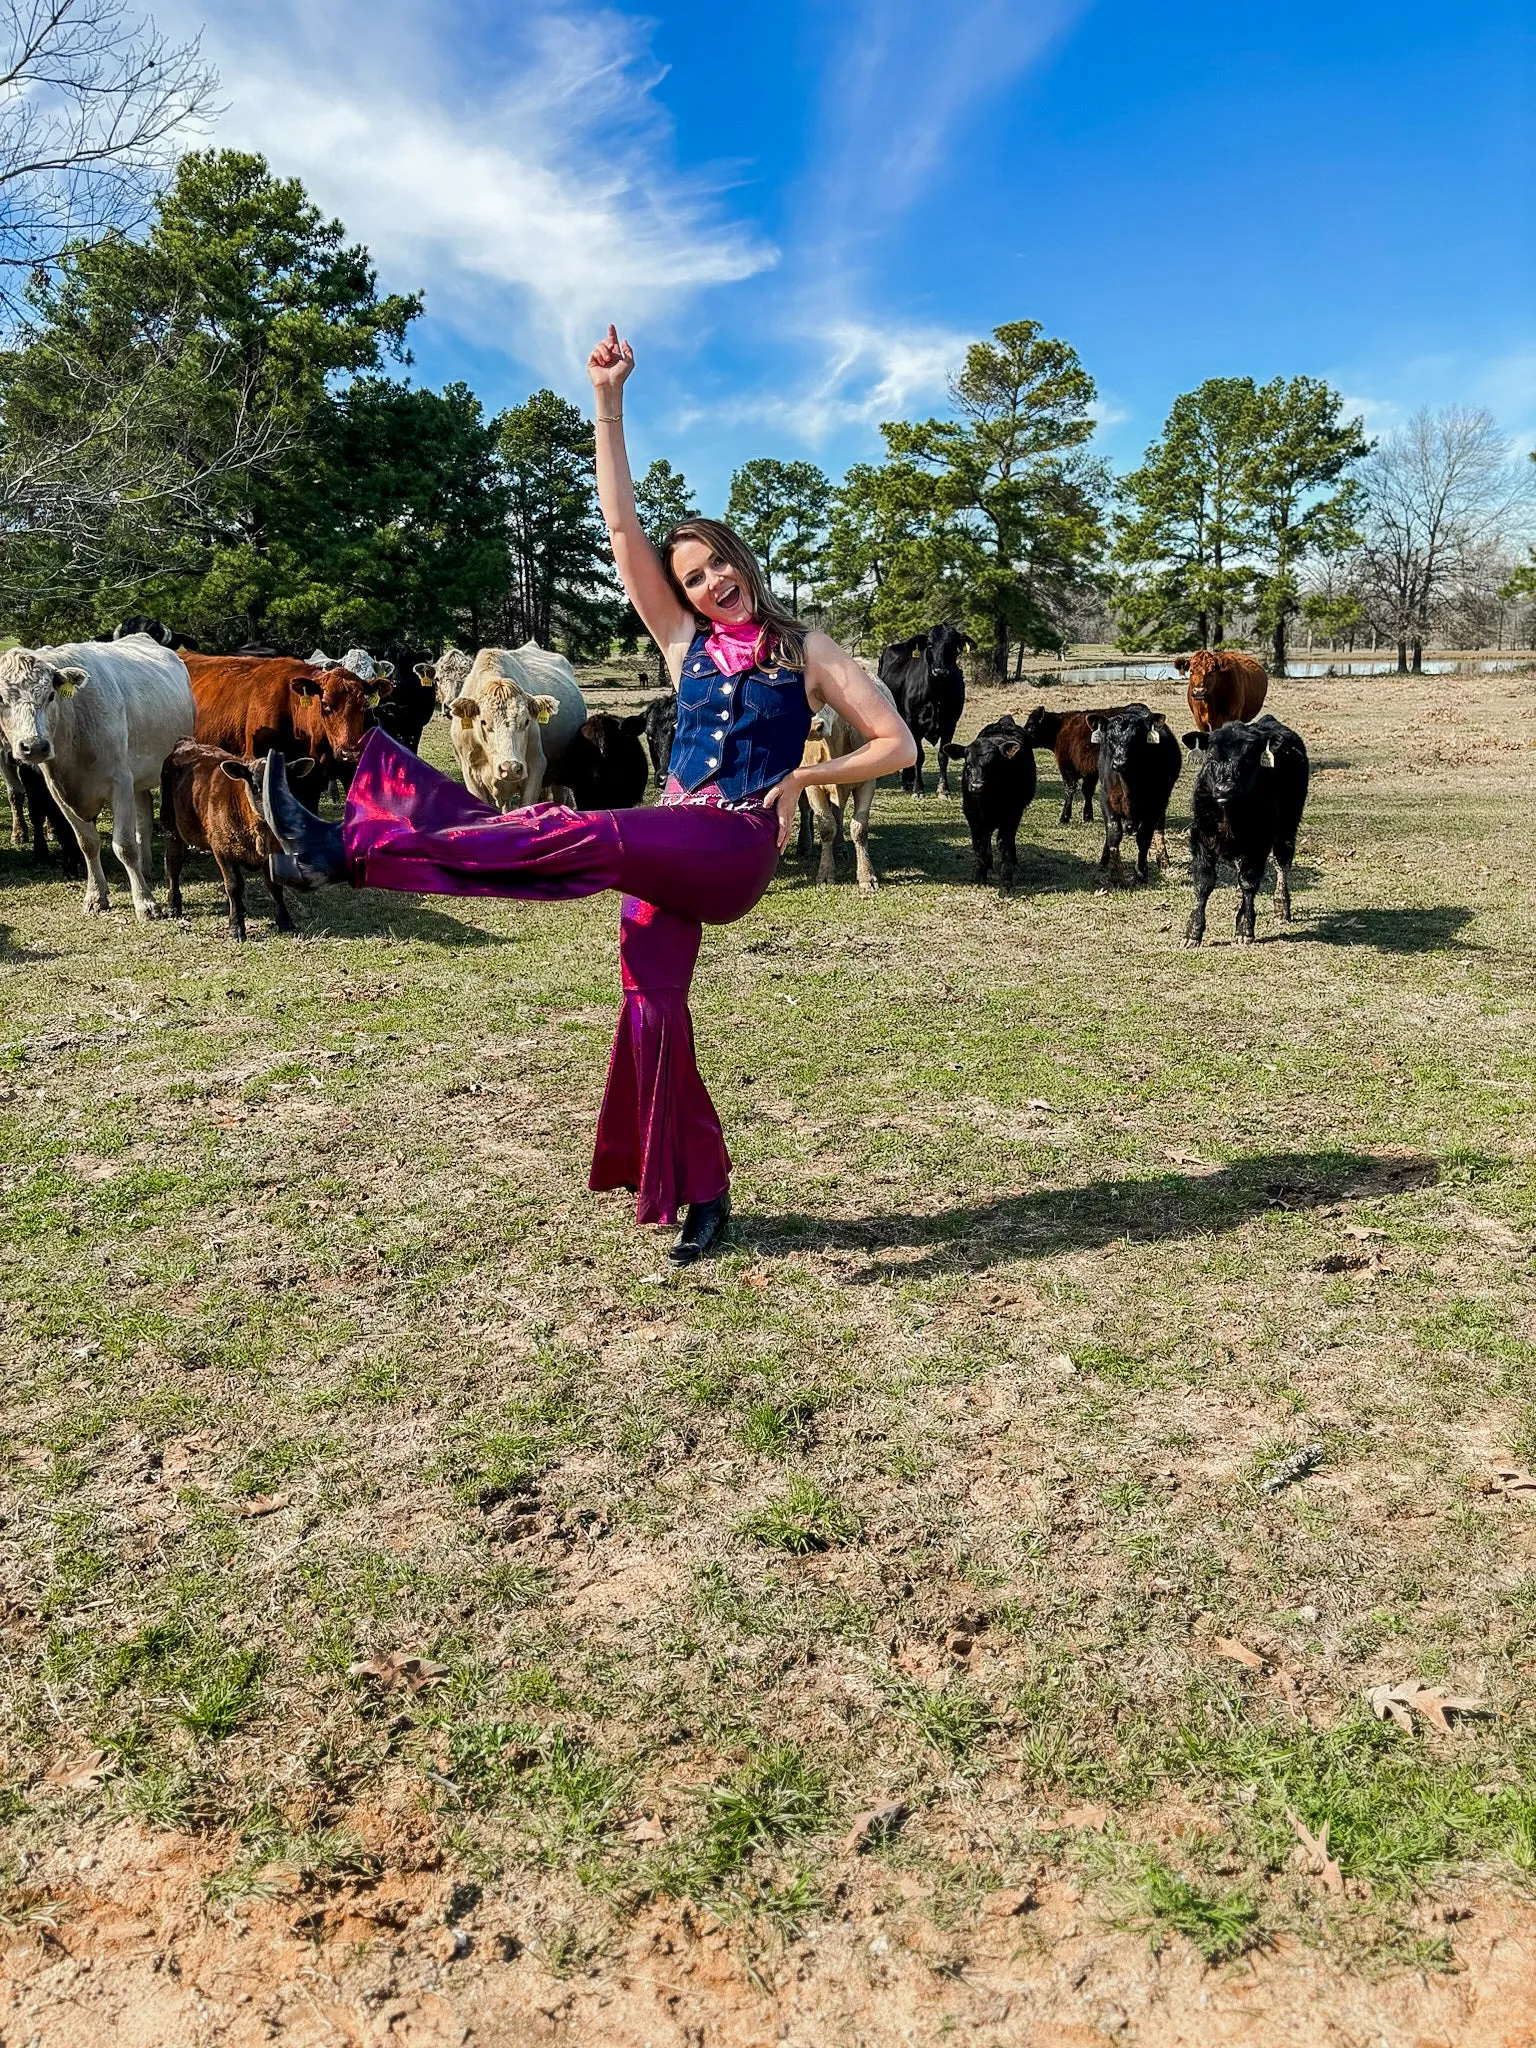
749 679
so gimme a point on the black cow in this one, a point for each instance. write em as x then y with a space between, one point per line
997 781
660 730
35 812
923 674
605 766
1249 797
1068 735
405 713
1139 762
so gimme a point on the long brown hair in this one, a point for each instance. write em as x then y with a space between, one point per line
782 639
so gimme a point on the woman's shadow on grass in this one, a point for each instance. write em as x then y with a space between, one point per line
1143 1210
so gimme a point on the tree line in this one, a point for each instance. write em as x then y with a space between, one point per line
206 413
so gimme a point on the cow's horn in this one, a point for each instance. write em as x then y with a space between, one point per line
1152 736
1269 757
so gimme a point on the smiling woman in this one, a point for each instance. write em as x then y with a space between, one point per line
749 677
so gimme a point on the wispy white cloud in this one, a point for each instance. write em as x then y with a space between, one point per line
902 77
531 195
860 374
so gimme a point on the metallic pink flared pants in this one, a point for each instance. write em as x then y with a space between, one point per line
680 866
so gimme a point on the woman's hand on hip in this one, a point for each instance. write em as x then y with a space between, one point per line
784 802
610 362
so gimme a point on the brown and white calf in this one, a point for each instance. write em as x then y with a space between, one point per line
209 799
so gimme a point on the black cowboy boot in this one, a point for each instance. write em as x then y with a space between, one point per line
311 852
703 1227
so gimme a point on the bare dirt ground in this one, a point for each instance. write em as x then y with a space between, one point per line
428 1621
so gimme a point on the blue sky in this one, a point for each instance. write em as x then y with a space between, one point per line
802 211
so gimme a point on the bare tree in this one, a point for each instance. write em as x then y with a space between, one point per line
1436 492
93 101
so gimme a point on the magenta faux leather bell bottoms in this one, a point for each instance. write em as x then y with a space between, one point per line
680 866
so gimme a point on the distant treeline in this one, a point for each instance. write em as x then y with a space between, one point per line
209 420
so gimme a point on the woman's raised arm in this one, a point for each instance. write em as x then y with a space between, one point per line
640 569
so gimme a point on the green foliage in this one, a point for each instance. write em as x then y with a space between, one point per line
780 510
806 1519
1221 1924
663 498
772 1799
990 518
562 588
1294 495
1177 533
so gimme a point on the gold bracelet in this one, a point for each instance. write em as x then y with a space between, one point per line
611 419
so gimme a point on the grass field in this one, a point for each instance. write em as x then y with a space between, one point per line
880 1632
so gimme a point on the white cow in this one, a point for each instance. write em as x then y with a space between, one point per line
447 675
830 739
511 722
98 717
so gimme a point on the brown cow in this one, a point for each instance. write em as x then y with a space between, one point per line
251 705
1067 735
208 799
1223 686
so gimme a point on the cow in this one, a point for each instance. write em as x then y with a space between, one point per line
997 783
1068 735
660 731
210 799
98 718
1249 795
34 814
830 804
252 706
446 676
511 723
925 680
406 708
1222 686
605 767
1139 763
155 629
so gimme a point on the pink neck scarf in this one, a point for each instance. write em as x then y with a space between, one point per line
732 647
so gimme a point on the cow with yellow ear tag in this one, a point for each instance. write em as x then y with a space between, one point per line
1138 766
1249 795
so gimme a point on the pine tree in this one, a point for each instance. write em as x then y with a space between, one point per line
1298 446
663 499
780 510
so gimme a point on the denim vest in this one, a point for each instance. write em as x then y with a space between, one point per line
743 733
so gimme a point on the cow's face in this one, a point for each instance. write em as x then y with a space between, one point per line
501 730
945 646
1198 669
1033 731
1125 738
446 676
1236 757
994 747
333 710
31 691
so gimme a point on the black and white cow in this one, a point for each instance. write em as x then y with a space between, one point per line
1249 795
1139 762
924 677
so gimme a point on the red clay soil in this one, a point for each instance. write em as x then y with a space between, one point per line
125 1952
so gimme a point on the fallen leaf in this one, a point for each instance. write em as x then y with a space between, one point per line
877 1824
755 1279
1038 1102
75 1774
646 1829
1510 1479
1362 1230
416 1674
1313 1855
1403 1701
1181 1158
260 1504
1239 1653
1094 1818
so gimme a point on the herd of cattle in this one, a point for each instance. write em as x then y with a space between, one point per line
111 723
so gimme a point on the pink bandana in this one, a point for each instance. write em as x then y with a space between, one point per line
732 647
